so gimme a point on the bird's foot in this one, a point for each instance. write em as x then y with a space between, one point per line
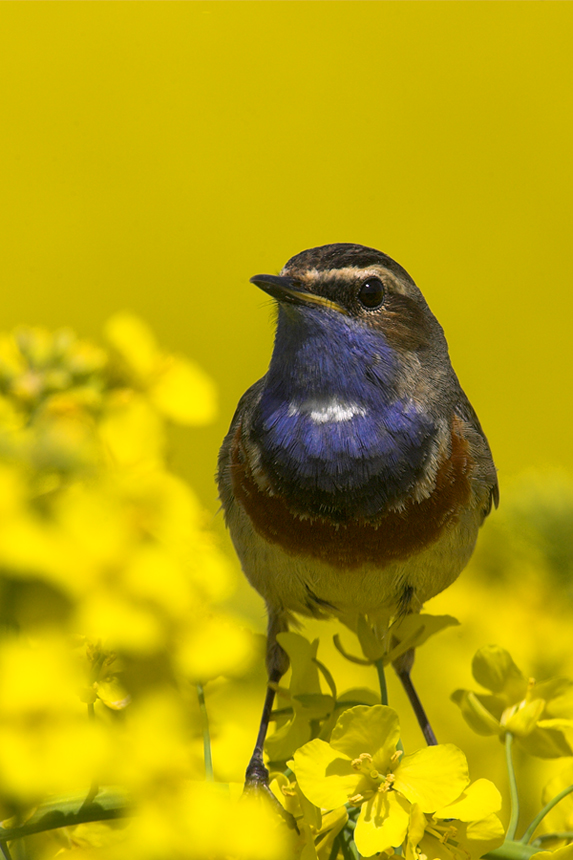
257 785
256 775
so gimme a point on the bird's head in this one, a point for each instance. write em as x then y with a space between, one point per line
350 311
360 388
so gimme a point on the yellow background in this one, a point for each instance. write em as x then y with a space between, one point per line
156 155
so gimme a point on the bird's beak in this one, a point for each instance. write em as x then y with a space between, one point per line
287 290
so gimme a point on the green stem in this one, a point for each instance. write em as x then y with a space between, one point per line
67 812
206 735
547 808
382 680
94 787
560 835
335 849
347 846
511 851
514 797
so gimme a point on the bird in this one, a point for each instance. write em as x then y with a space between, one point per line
355 473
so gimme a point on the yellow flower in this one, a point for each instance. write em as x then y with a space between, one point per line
47 745
317 832
176 386
564 853
362 766
559 819
538 715
463 830
215 645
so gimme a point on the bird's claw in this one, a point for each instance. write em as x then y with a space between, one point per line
257 785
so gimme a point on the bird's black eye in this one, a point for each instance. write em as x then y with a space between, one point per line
371 293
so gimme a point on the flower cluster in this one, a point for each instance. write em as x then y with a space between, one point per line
111 600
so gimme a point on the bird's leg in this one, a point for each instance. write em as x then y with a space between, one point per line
257 774
277 663
403 666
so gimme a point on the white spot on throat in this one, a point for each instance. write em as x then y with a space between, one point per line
329 411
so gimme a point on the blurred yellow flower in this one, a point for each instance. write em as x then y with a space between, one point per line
214 645
177 387
46 743
538 715
559 819
110 582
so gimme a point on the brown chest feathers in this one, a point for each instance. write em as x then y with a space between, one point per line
392 536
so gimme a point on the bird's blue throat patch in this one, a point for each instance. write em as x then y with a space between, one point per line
335 438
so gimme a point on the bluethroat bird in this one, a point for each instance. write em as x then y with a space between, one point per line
355 474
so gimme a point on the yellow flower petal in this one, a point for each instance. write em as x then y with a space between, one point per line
215 646
556 723
183 392
373 645
476 713
523 721
332 824
112 694
565 853
493 668
556 688
545 743
120 623
489 829
432 777
134 341
325 776
302 655
414 630
382 823
131 430
416 830
561 816
364 729
479 800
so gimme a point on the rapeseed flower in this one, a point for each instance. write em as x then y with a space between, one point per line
538 715
316 831
112 590
463 830
363 766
